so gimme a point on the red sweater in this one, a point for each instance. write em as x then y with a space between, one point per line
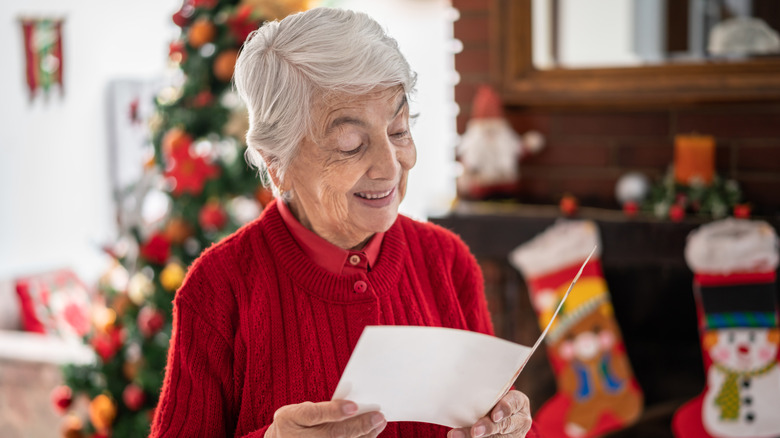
258 325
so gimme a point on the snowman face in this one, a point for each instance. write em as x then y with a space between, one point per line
743 349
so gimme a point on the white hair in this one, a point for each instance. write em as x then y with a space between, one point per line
284 65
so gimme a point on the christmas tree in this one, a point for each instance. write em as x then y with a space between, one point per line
197 135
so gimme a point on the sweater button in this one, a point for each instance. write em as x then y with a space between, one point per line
360 286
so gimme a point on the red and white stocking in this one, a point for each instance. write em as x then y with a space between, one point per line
734 263
597 391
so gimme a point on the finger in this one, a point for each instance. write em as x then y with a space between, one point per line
513 401
358 426
518 424
505 416
374 433
458 433
309 414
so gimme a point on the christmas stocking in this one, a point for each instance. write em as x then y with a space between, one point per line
597 391
734 263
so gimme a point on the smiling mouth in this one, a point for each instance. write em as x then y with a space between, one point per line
374 195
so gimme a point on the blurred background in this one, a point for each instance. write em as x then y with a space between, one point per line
648 118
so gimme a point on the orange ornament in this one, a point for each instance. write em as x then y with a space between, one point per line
178 230
264 196
102 412
130 369
201 32
225 64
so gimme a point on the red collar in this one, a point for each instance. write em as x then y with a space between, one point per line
327 255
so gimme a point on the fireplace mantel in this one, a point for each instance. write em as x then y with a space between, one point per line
649 282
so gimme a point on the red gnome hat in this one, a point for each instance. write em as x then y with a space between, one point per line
487 104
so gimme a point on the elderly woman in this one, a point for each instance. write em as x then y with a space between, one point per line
266 320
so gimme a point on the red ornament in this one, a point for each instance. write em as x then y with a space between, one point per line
107 344
176 143
150 321
742 211
242 24
190 174
630 208
202 99
176 51
205 4
157 249
212 216
676 213
133 396
182 17
61 398
569 205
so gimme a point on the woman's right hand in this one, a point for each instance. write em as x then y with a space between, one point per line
325 419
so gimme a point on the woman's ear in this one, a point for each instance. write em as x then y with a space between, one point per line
271 167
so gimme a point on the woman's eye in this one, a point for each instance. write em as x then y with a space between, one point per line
401 134
353 151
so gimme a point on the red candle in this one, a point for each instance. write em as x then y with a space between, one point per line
694 158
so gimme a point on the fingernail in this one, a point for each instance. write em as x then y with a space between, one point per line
349 408
478 430
457 434
377 419
498 416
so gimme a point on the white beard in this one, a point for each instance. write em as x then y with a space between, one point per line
490 151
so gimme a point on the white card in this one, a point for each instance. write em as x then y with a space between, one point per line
431 374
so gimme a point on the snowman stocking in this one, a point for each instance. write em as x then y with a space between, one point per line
734 263
597 391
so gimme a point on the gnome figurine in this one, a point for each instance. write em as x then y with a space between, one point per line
490 150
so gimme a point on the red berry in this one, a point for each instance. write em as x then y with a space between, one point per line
676 213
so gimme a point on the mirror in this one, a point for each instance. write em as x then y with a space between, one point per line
603 33
680 60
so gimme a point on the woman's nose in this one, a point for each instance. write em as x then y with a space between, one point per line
384 161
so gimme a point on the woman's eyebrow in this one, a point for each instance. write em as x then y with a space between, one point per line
347 120
400 105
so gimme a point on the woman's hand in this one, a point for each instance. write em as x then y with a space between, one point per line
326 419
511 417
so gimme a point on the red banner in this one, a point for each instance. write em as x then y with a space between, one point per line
43 53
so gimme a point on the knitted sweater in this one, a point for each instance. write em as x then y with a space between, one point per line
258 325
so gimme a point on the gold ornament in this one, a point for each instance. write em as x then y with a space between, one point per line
172 276
237 124
276 9
103 318
102 412
72 427
139 288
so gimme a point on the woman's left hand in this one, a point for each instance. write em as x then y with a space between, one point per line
510 417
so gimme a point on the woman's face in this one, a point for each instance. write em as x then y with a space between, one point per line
348 182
